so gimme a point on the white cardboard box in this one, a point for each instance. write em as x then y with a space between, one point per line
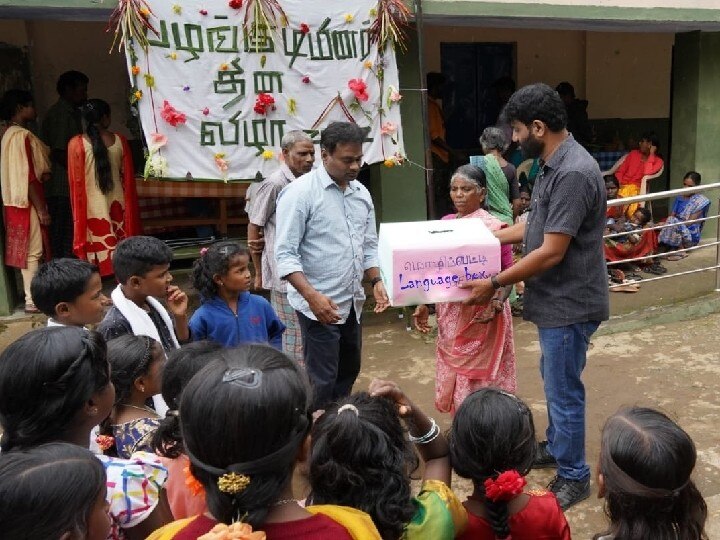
425 261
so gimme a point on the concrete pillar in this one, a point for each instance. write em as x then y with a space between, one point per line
695 111
399 192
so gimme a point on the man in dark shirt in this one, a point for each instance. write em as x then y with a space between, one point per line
564 271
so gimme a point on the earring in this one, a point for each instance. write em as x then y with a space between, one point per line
94 411
142 388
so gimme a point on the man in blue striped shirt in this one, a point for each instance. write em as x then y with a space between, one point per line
326 242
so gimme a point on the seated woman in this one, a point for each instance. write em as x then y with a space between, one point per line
685 208
614 213
634 244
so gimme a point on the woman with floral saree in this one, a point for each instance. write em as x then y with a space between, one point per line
475 343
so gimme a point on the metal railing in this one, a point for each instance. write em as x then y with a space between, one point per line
671 194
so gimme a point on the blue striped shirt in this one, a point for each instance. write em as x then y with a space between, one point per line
330 236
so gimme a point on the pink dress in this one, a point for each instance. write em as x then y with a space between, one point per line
472 355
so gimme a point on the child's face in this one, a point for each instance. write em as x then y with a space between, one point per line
155 282
638 219
612 190
88 308
237 278
98 525
524 200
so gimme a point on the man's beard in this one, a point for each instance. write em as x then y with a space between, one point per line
532 148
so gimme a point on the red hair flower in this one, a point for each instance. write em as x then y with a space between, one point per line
105 442
235 4
171 115
505 487
359 88
304 28
263 103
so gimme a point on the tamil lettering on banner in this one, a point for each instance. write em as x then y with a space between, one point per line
217 87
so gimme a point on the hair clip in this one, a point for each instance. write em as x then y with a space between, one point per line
349 407
243 377
233 483
203 251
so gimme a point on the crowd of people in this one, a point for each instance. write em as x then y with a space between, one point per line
69 193
168 425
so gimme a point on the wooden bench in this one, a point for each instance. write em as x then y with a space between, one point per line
223 191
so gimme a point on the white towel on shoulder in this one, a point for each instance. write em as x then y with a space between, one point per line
142 325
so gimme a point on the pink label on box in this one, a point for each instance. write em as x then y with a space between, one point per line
429 276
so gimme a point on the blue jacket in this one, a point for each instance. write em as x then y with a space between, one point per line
256 322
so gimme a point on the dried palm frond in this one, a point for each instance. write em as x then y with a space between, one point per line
391 24
131 21
267 15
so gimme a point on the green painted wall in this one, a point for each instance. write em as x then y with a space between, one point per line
399 192
696 114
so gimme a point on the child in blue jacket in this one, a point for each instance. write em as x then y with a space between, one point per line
229 314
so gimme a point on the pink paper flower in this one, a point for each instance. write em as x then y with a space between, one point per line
157 140
306 79
304 28
203 12
359 88
388 128
206 111
171 115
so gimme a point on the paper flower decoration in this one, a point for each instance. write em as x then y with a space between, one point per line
155 166
224 67
171 115
135 70
291 108
359 88
177 9
203 12
221 162
235 4
268 155
394 95
304 28
137 96
396 159
306 79
172 56
144 12
206 111
263 103
368 64
149 81
236 531
373 12
186 88
348 17
388 128
157 141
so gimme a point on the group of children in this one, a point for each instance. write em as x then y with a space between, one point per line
214 455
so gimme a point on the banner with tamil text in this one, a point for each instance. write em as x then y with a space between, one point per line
220 82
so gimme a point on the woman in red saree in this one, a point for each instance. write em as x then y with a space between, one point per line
475 343
103 194
24 164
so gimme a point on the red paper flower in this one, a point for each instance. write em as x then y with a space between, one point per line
203 12
304 28
305 79
171 115
359 88
235 4
206 111
263 102
505 487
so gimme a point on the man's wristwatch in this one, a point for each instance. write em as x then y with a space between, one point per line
374 281
495 283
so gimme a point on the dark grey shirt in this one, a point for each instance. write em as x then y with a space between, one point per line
569 198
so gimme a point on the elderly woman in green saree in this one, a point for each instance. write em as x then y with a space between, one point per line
503 190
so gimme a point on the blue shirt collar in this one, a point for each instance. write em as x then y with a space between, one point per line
327 181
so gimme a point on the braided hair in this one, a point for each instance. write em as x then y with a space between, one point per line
214 261
93 112
492 432
46 377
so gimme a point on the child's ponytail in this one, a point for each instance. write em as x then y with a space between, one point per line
214 261
93 112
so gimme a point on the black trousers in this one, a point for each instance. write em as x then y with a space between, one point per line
61 227
332 357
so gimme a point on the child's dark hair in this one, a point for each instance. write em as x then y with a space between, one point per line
137 255
245 413
647 216
694 176
363 460
93 112
130 357
46 377
646 461
11 101
34 488
60 280
492 432
182 365
612 180
214 261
